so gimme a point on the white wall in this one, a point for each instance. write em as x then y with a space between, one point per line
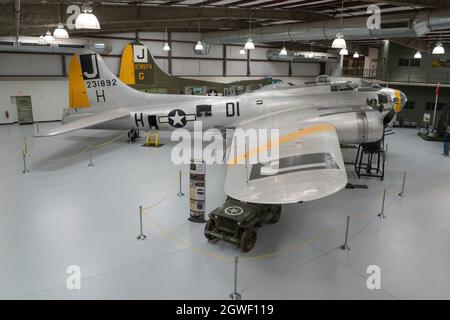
48 98
37 75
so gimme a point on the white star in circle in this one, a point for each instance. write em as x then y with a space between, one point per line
177 119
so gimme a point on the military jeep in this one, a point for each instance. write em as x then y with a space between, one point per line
236 222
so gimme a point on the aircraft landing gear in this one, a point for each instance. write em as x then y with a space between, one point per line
133 135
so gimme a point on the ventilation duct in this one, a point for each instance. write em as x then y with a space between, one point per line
68 46
302 56
393 26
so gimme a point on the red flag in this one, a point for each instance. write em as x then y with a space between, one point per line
437 90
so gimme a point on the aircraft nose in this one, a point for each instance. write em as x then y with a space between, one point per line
403 99
399 100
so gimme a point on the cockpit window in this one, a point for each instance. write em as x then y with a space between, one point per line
382 98
341 87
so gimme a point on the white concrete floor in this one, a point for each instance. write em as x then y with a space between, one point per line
64 213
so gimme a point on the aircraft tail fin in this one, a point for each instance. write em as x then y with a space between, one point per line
92 84
139 69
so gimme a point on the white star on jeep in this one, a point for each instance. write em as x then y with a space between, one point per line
177 119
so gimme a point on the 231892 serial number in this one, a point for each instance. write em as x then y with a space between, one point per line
101 83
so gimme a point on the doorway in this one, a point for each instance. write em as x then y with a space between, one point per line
24 110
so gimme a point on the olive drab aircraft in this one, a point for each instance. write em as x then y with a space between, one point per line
139 70
312 120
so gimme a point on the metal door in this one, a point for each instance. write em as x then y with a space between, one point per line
24 109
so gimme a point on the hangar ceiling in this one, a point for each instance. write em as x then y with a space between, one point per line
208 15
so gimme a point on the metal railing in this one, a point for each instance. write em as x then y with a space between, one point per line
399 75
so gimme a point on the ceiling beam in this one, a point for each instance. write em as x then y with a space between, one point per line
415 3
36 18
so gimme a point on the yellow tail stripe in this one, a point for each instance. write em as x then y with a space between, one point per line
78 97
126 74
282 140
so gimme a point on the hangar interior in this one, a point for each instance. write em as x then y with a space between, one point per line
78 203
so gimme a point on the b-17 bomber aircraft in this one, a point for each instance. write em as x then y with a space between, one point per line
139 70
313 120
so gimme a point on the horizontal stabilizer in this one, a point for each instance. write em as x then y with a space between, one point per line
85 122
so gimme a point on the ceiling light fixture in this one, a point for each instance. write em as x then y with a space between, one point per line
199 46
48 38
60 32
283 51
249 44
242 51
356 55
418 55
439 49
41 40
344 52
166 45
87 20
339 42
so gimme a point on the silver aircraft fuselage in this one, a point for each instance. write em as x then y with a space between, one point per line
348 111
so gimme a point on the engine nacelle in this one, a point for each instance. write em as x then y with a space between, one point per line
357 127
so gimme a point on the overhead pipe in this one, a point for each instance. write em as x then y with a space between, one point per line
67 46
302 56
413 24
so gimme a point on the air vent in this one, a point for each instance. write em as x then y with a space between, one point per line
6 43
31 44
71 46
395 24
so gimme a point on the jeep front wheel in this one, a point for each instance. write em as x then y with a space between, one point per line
248 240
210 226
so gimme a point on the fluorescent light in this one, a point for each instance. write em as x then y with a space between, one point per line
418 55
242 51
60 32
339 42
309 55
87 20
283 52
356 55
199 46
48 38
166 47
99 45
439 49
249 44
344 52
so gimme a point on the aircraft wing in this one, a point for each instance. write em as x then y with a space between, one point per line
309 166
85 122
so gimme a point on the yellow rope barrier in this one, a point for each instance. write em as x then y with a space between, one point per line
205 252
84 150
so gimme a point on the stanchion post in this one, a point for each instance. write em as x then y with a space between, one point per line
235 295
381 214
141 235
25 147
180 192
37 127
386 151
402 194
25 169
345 246
91 163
